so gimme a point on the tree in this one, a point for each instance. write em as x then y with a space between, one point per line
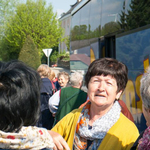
29 53
122 15
7 8
54 57
137 16
67 42
36 20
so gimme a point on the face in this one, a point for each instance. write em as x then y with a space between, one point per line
102 91
146 113
62 81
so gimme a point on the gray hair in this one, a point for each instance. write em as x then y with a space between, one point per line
145 89
76 78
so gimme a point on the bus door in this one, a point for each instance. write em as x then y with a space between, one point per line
110 46
107 47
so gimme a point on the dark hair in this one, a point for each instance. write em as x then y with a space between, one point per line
19 96
108 66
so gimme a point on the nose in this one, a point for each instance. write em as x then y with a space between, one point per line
101 86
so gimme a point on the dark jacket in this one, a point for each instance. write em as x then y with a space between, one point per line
46 93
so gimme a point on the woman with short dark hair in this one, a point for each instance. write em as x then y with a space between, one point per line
100 125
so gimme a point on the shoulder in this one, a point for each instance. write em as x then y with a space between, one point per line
122 134
73 114
66 88
126 123
125 129
68 121
45 80
83 92
56 94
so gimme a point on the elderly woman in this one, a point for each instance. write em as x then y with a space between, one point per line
46 119
143 142
100 123
63 79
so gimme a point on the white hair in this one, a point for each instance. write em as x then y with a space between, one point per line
76 78
145 88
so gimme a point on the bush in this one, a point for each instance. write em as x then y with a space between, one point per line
54 57
29 53
64 56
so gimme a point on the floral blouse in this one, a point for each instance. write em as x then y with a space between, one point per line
144 142
32 138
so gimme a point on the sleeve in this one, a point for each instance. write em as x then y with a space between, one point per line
54 102
40 137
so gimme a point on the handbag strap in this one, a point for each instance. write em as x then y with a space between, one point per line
59 108
64 102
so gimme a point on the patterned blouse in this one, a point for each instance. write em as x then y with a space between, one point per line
32 138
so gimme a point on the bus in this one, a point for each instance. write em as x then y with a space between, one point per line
113 28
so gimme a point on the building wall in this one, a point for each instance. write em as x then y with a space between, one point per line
66 25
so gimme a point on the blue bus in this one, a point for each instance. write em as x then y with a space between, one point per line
114 28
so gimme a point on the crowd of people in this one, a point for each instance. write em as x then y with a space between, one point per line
41 110
68 98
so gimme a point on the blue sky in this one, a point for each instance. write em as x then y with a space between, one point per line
59 6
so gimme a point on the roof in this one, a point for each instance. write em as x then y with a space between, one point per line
69 11
81 57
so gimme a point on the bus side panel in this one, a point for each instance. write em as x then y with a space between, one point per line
133 49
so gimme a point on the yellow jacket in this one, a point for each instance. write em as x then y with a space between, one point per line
121 135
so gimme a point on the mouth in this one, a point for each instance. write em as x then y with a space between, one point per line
99 95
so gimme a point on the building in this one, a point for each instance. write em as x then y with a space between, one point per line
65 20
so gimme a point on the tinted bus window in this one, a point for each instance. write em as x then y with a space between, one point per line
95 14
75 31
111 16
84 25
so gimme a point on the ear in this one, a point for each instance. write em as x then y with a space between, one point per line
147 110
118 94
80 83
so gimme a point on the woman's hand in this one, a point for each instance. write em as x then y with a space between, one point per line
60 143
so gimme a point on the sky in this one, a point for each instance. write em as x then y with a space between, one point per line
59 6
